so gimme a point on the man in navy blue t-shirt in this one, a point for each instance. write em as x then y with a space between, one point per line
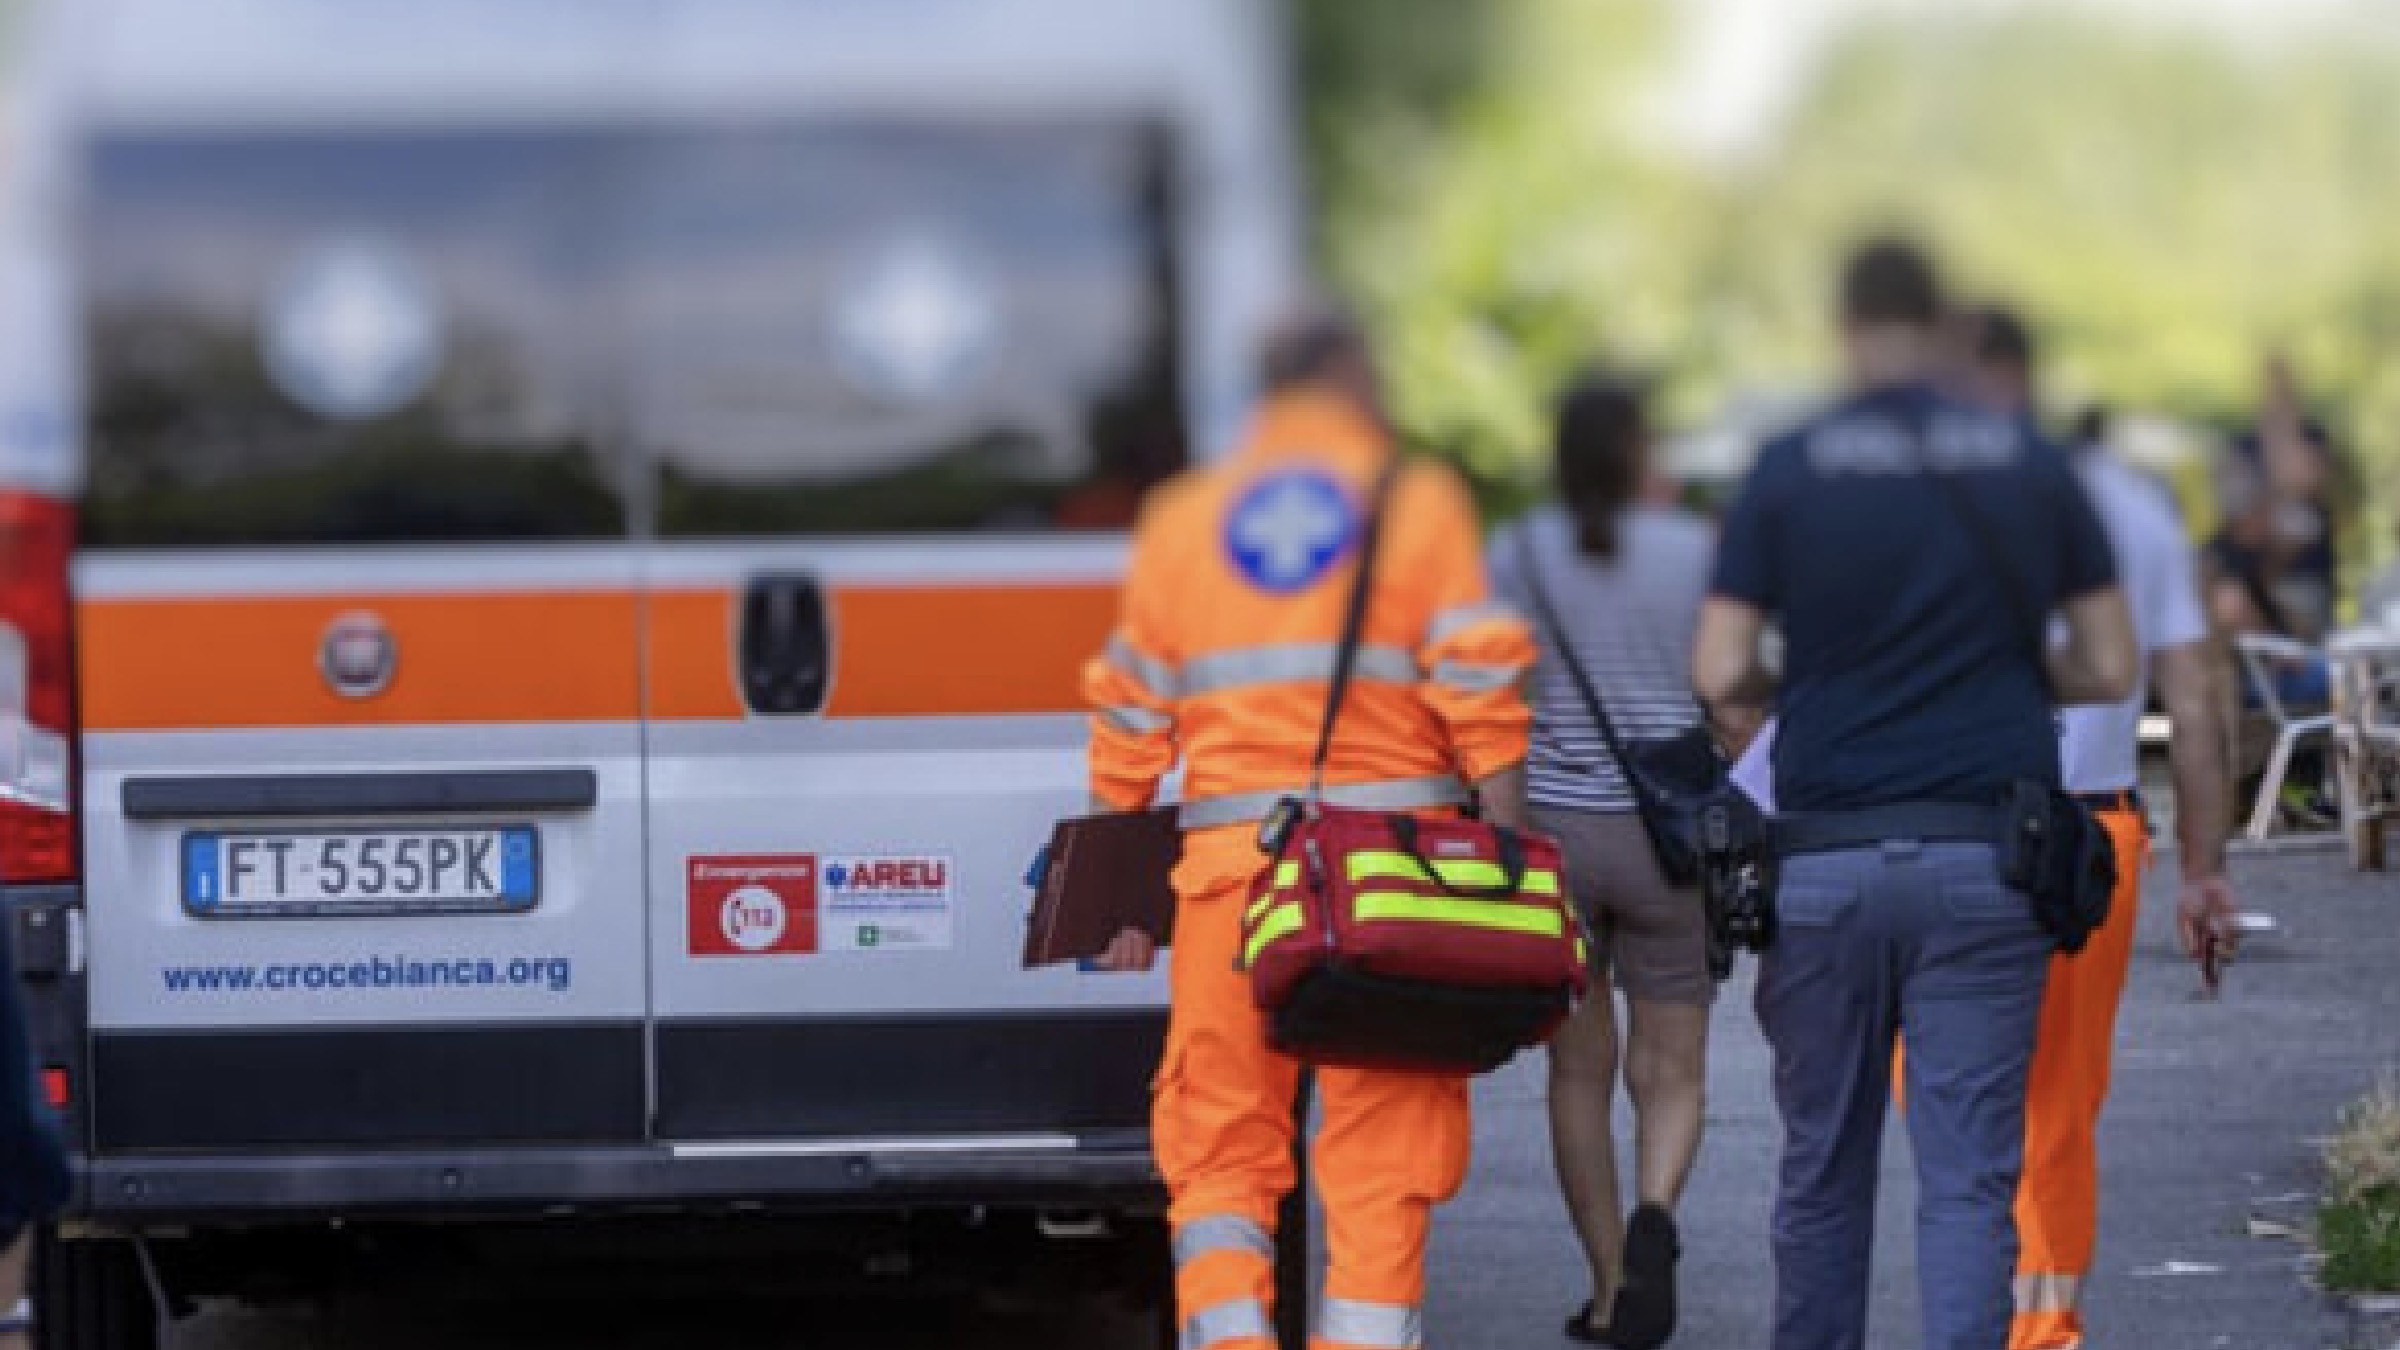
1915 686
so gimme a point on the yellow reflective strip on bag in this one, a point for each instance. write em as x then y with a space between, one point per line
1370 864
1259 907
1279 923
1374 906
1379 864
1287 875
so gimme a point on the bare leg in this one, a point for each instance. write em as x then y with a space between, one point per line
1583 1083
12 1286
1666 1070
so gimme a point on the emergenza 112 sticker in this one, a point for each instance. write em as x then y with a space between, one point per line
797 904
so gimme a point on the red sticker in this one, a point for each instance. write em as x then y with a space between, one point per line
752 904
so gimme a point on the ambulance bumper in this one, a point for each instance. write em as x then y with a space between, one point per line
1108 1170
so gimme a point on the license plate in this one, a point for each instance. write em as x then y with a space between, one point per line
299 873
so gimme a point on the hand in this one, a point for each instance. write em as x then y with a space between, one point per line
2204 908
1736 726
1132 951
1500 799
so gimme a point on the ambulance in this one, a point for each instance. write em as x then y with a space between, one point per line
545 552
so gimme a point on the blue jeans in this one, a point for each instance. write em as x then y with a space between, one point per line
2299 687
1875 941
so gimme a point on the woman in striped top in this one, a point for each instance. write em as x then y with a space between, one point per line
1624 579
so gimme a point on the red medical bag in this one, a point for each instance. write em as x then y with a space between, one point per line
1394 941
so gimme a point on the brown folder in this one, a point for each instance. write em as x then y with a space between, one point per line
1107 873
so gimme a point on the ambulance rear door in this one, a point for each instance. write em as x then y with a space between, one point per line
898 381
357 611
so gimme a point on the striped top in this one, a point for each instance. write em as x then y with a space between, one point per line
1630 622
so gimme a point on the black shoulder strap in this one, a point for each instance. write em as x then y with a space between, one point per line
1546 614
2029 621
1354 619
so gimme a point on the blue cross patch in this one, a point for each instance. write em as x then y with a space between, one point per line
1289 527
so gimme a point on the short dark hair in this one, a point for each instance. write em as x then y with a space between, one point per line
1311 344
2001 336
1890 280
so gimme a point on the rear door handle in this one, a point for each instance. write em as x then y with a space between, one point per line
785 646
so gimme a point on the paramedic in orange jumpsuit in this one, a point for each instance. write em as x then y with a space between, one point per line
2058 1197
1232 606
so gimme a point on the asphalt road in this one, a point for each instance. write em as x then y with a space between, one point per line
2214 1108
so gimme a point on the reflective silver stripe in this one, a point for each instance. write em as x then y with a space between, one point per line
1221 1233
1458 619
1246 666
1373 1326
1242 1319
1399 794
1476 677
1136 721
1155 675
2049 1293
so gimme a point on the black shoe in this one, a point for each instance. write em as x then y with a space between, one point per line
1582 1328
1644 1315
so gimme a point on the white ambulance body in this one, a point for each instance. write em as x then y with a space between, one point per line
585 518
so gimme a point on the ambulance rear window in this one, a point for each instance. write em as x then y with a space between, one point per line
812 327
879 328
322 338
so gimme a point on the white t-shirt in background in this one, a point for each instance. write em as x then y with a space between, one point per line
2100 747
1754 772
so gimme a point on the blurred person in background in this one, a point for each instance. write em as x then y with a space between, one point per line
2273 560
2272 565
2276 551
2057 1209
1911 696
1614 580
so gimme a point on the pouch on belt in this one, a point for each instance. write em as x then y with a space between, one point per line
2057 852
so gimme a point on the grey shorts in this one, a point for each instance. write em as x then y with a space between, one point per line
1650 937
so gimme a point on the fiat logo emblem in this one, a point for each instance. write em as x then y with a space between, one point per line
358 656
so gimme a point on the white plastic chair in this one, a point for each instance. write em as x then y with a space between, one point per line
2366 711
2260 653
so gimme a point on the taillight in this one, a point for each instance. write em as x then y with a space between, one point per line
37 689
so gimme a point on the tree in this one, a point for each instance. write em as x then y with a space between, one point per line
2165 204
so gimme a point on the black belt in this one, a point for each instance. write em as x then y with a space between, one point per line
2122 800
1920 822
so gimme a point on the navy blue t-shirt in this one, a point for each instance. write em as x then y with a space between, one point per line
1907 675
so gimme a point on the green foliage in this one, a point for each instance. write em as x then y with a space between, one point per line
2358 1226
1458 206
2165 204
2361 1242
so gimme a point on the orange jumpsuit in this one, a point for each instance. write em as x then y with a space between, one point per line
1233 602
2058 1199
